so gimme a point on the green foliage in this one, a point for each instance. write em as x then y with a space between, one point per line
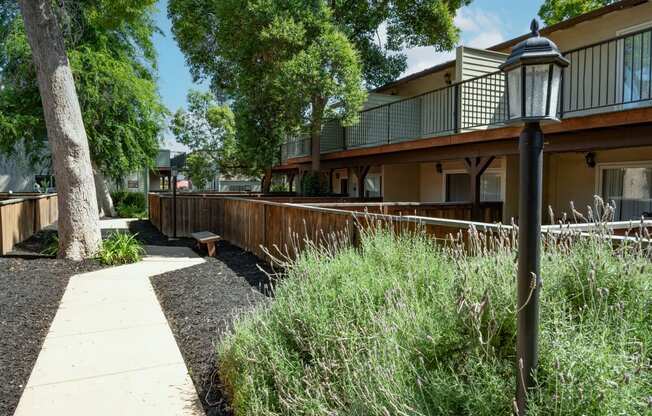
52 245
279 187
403 326
407 23
555 11
288 65
114 65
208 128
312 184
120 248
200 169
129 204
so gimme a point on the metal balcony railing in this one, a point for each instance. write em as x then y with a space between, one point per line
612 75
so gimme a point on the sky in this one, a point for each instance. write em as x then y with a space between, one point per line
483 23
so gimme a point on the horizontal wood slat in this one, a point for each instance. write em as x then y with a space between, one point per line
21 216
257 224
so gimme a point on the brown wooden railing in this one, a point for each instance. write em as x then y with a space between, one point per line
492 212
252 224
22 215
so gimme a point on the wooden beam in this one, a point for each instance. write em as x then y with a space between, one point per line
361 174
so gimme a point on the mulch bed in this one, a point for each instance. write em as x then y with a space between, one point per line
201 302
30 292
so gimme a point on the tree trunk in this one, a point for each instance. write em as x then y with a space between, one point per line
266 184
104 201
79 232
318 105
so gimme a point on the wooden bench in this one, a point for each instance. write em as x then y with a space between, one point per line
207 238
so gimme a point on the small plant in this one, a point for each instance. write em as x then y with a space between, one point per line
120 248
312 184
129 204
52 246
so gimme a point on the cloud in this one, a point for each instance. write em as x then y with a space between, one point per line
479 29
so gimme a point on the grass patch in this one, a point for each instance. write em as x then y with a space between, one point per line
403 326
120 248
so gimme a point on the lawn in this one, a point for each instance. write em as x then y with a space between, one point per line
403 326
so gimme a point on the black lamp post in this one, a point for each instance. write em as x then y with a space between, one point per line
174 172
533 72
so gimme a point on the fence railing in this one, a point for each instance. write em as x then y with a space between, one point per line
611 75
23 215
255 225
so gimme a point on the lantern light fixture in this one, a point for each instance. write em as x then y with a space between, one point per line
533 71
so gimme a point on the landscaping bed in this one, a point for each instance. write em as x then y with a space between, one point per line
402 325
29 298
201 302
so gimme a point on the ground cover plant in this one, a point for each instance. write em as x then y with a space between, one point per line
120 248
402 325
129 204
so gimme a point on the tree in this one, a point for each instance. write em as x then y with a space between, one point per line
208 128
555 11
79 233
201 169
252 52
114 67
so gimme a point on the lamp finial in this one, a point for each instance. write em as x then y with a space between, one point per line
534 27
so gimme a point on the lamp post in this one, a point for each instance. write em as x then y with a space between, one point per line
533 72
174 172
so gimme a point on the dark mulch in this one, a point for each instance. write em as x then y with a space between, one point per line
201 302
36 244
30 292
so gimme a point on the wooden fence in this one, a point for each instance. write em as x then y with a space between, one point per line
255 223
22 215
492 212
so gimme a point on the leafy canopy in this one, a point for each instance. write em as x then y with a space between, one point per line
110 49
208 129
555 11
290 64
201 169
405 23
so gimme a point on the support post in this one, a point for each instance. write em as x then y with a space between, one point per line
290 177
361 174
529 258
174 206
476 167
330 181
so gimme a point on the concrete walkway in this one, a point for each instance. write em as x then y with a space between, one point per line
110 350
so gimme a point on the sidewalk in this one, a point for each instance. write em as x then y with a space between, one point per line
110 350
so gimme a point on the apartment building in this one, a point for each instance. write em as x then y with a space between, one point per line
438 135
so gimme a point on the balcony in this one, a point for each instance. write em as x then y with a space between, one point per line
608 76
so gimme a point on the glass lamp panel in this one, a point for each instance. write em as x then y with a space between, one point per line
554 90
536 90
514 86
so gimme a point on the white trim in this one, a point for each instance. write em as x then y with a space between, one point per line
635 28
600 167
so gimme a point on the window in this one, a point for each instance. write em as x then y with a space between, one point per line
636 63
458 186
629 186
372 186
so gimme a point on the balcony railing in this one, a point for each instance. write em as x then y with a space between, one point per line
612 75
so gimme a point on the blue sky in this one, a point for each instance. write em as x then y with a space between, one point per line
483 23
